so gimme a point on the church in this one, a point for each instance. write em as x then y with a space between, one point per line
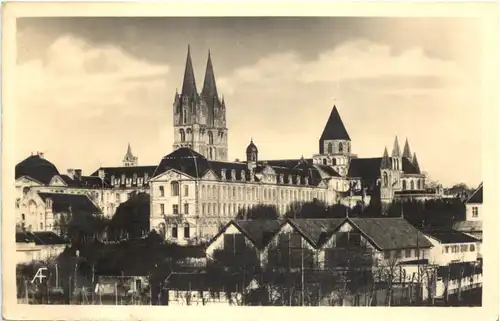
195 189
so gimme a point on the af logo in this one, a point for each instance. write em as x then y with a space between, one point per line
39 275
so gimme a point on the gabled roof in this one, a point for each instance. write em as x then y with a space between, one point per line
477 196
450 236
37 168
468 226
334 128
365 168
390 233
77 203
316 231
40 238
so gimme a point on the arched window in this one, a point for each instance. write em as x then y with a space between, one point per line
174 231
348 147
341 148
419 184
162 191
210 138
183 135
211 155
187 231
330 148
184 115
174 188
404 185
412 185
386 180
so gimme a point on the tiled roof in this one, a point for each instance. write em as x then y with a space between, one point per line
186 161
450 236
85 181
317 231
477 196
258 231
77 202
334 128
290 163
239 168
328 170
37 168
40 238
389 233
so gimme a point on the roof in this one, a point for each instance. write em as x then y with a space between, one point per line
450 236
184 160
477 196
189 82
468 226
389 233
334 128
409 167
286 162
365 168
40 238
37 168
144 172
77 202
317 231
328 170
258 231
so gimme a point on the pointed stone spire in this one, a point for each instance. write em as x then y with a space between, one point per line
396 151
334 128
189 83
415 162
209 86
386 162
406 150
129 154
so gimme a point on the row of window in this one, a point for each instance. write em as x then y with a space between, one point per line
419 185
459 248
188 132
407 253
115 181
175 209
340 148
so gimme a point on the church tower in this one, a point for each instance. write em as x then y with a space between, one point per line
200 119
130 160
386 178
334 144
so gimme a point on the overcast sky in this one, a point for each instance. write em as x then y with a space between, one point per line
88 86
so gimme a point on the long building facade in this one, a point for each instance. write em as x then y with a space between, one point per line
195 189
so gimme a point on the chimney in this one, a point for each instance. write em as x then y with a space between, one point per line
71 173
100 173
40 154
78 174
237 160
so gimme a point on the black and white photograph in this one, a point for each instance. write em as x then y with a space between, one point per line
272 161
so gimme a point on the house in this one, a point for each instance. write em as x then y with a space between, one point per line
450 246
473 224
38 246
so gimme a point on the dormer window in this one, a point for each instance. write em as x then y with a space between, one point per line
139 181
298 179
233 175
282 178
134 178
306 180
243 175
113 182
123 179
223 174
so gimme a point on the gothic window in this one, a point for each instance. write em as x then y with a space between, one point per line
386 180
174 231
341 148
183 135
330 148
186 231
412 185
404 185
210 138
174 186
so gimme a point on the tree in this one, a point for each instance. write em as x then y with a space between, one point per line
131 218
259 212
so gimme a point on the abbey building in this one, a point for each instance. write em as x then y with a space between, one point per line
194 190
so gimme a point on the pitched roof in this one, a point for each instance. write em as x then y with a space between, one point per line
406 150
328 170
317 231
409 167
414 161
365 168
259 232
40 238
77 202
334 128
390 233
477 196
37 168
449 236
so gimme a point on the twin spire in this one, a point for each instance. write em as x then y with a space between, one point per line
396 152
189 83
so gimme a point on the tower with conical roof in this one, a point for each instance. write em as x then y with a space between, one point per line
334 144
130 160
388 177
200 118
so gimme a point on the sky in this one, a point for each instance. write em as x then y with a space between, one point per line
86 87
